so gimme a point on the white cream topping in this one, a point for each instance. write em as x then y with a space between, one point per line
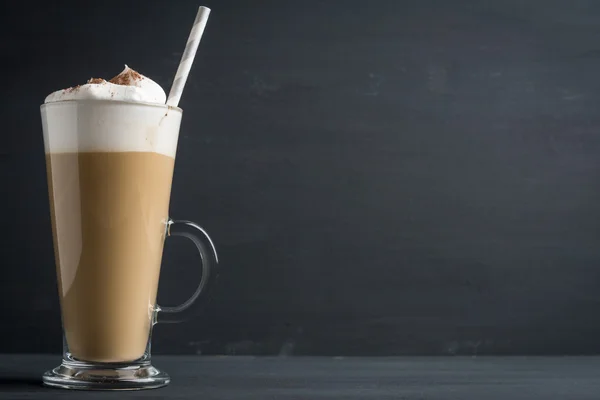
129 85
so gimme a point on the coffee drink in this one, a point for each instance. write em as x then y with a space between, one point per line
110 151
110 167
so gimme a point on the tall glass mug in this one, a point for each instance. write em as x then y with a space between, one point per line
110 167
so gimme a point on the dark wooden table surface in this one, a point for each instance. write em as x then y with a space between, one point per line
231 378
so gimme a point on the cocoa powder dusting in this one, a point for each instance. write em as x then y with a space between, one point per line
127 78
96 80
72 89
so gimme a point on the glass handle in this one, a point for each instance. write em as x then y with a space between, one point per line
209 263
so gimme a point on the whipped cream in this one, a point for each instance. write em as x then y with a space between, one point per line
129 85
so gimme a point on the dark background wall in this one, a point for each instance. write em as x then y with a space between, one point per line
380 177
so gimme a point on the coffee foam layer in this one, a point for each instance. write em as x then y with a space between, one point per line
109 126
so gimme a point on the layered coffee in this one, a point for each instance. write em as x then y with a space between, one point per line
110 166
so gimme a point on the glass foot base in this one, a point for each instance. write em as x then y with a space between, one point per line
87 376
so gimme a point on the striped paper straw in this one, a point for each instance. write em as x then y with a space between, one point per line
188 56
